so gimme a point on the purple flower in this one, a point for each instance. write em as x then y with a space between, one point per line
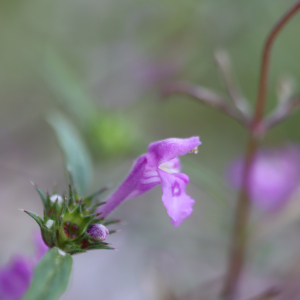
15 278
159 165
275 175
40 247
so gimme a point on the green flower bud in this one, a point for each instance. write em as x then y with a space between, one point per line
68 221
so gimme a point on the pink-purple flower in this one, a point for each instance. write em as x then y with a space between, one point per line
40 247
16 275
160 165
274 177
15 278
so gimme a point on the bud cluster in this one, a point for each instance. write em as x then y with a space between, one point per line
71 223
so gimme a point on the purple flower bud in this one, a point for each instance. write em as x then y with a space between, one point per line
98 232
274 176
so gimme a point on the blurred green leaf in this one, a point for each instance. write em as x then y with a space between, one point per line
113 134
66 86
51 276
77 157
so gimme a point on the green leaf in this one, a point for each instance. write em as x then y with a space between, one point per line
77 156
51 276
67 88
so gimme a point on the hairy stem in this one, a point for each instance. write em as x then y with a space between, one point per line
239 240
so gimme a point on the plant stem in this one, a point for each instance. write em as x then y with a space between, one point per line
223 62
239 240
207 97
282 112
263 80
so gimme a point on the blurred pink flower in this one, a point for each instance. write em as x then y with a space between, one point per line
40 246
274 177
160 165
15 276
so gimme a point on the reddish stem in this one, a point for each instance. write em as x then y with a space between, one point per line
263 81
239 240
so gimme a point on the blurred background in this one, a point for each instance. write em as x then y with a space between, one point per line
102 65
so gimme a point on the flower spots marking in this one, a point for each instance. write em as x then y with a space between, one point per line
176 189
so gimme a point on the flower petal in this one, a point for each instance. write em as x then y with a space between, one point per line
177 202
274 177
141 179
145 174
171 166
165 150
